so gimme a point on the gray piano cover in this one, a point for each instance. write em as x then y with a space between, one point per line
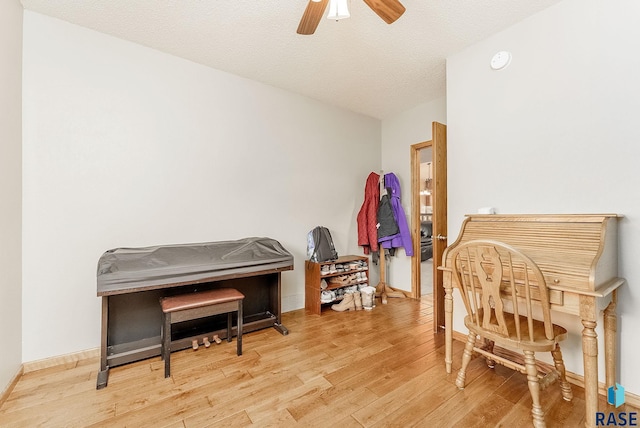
126 268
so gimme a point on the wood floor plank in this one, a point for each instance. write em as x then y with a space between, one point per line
418 405
338 404
487 415
379 368
396 399
262 412
388 381
276 419
451 412
222 404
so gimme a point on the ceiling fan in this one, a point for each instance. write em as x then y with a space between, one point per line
388 10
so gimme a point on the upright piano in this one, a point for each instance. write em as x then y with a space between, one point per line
131 282
577 253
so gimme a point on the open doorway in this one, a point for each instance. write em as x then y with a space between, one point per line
425 190
422 194
429 219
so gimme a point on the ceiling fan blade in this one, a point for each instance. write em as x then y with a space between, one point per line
311 17
388 10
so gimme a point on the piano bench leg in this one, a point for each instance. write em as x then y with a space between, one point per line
166 343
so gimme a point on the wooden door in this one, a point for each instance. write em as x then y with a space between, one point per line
438 144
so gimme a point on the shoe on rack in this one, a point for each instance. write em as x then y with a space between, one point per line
368 297
324 270
336 279
357 300
340 279
347 304
327 296
351 289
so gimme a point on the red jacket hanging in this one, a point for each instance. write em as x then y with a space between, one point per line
368 215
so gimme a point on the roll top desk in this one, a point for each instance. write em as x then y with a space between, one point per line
578 255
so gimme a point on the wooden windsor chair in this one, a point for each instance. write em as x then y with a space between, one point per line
500 287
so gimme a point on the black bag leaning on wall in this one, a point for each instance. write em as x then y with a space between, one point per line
320 246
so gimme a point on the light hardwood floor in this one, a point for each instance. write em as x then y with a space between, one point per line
379 368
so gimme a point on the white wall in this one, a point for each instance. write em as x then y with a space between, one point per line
555 132
399 133
127 146
10 190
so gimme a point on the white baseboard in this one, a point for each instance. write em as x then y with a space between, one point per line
7 391
59 360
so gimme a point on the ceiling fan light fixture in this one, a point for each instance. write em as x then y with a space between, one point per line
338 10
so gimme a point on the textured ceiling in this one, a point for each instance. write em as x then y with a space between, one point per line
360 63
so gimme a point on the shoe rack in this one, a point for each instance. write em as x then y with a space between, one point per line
315 272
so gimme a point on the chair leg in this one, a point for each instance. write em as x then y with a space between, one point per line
534 389
565 387
229 323
466 358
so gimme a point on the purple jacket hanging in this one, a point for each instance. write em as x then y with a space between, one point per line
402 239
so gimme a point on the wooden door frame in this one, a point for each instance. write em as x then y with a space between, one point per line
438 146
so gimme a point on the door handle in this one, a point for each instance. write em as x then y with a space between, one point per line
441 238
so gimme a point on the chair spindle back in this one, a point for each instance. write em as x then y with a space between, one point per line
489 274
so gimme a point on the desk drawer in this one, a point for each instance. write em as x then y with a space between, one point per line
556 297
565 301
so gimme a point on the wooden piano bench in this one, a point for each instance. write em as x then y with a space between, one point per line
186 307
